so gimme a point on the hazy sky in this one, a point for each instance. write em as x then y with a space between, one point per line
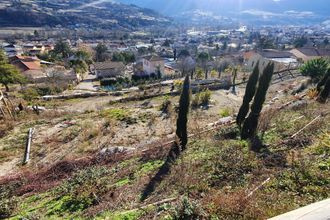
301 7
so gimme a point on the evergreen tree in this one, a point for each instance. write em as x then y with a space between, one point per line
62 49
181 130
249 94
9 74
325 92
100 52
323 80
250 124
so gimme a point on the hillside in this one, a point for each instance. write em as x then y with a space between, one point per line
252 12
77 13
93 159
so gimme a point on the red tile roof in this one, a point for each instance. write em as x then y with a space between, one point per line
31 65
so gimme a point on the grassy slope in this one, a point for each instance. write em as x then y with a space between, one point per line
212 178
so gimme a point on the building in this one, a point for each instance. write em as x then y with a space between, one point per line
12 50
28 66
108 69
149 65
31 68
281 59
306 54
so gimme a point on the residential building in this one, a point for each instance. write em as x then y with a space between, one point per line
108 69
12 50
29 66
306 54
149 65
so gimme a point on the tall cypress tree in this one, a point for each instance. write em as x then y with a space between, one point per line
325 92
250 124
323 80
248 96
181 130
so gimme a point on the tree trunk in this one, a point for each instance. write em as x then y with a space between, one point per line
7 88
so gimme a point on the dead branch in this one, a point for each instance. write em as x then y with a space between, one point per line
151 204
311 122
258 187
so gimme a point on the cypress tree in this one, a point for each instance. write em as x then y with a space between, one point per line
250 124
323 80
248 96
234 80
325 92
181 130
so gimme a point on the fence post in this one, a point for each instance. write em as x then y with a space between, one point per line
28 146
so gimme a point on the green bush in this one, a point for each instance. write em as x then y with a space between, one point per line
165 106
80 191
178 85
205 97
30 94
188 210
119 115
8 202
195 101
225 112
315 69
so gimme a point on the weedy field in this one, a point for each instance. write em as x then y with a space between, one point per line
112 163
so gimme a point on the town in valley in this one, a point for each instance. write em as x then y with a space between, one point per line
151 110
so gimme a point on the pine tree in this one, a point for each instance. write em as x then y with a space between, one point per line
325 92
249 93
9 74
250 124
181 130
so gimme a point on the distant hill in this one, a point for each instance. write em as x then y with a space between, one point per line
77 13
256 12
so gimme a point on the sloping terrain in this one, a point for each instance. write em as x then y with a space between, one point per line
111 162
77 13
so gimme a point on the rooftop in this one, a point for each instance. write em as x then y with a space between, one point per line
108 65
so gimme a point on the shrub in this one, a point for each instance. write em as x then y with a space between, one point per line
8 202
225 112
30 94
312 93
315 69
234 172
195 101
49 90
119 115
188 210
205 97
202 98
178 85
81 190
165 106
108 82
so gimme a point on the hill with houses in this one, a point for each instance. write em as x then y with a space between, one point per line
77 13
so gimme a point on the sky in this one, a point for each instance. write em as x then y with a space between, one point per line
277 8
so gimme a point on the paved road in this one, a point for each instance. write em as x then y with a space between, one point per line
315 211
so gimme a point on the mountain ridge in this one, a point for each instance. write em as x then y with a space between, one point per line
77 13
249 12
